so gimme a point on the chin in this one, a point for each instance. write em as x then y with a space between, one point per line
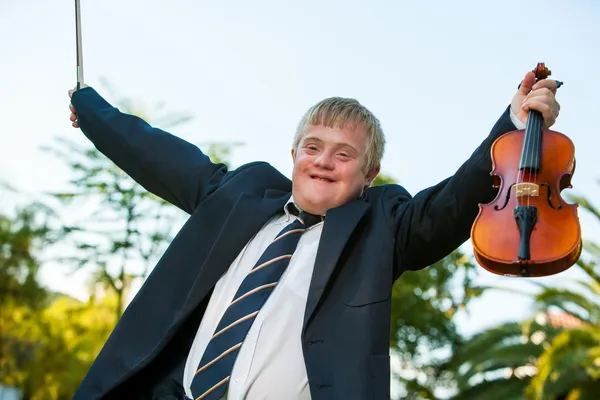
318 204
313 204
318 198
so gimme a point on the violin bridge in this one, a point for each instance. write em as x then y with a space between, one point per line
527 189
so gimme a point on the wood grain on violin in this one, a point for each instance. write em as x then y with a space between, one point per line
528 230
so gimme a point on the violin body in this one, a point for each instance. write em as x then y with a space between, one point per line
528 230
555 241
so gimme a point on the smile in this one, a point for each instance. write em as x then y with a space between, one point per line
321 179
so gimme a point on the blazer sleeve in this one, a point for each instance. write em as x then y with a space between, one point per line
162 163
437 220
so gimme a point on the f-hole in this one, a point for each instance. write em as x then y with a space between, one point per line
549 198
506 200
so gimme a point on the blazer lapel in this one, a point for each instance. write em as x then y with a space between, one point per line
246 218
339 225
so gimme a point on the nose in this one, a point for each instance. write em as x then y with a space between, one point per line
325 160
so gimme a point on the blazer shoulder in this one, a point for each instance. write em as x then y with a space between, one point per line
388 192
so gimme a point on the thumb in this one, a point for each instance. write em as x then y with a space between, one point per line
527 83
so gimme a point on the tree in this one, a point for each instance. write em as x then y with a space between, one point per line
20 237
20 291
552 355
47 352
47 340
31 353
499 362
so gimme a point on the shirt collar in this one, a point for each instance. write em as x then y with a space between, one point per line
290 212
288 204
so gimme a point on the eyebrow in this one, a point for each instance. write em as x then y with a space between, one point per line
340 144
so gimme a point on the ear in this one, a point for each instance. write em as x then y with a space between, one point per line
370 177
294 155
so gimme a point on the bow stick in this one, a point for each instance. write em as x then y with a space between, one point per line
78 44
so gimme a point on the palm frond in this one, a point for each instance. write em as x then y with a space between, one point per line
570 302
500 389
565 363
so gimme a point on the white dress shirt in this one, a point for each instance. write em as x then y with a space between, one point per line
516 121
270 364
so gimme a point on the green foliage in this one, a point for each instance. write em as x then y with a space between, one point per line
43 349
568 362
47 352
507 389
497 355
28 231
383 179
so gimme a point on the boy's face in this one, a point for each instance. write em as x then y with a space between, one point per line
329 168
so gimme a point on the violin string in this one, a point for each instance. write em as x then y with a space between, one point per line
538 144
519 172
537 128
531 152
531 149
530 157
525 154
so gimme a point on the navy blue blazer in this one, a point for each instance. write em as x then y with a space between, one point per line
365 246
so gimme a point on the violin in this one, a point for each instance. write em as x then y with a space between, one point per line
528 230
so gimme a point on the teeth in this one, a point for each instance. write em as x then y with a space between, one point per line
321 179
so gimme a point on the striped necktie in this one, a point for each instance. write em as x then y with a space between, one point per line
212 377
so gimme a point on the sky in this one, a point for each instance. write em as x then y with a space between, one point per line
437 74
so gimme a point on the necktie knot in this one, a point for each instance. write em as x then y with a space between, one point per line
309 220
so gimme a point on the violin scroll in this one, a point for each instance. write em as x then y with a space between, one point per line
541 71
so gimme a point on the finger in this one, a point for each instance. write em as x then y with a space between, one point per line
542 94
549 111
73 117
549 84
72 108
75 125
538 105
527 83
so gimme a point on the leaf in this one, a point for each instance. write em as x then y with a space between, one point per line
561 366
499 389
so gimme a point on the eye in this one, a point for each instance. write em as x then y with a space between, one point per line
345 156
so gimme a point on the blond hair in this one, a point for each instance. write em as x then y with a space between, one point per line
341 113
